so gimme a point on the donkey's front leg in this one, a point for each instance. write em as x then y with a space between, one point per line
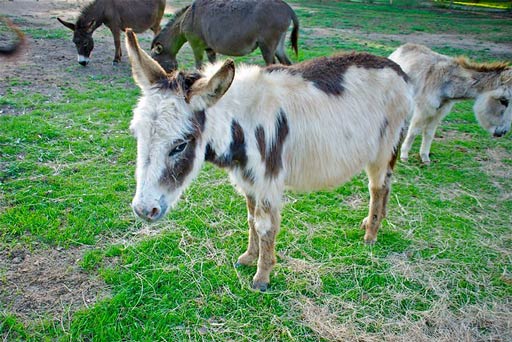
267 221
250 256
212 55
198 51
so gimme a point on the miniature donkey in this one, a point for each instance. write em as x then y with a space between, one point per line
440 81
117 15
229 27
305 127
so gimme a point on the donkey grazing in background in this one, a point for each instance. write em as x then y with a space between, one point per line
117 15
15 46
440 81
305 127
229 27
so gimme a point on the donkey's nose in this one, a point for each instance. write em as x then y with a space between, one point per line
148 214
499 132
83 63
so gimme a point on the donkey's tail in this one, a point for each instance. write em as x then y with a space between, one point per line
295 33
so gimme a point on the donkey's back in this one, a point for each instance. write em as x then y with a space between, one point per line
338 124
134 14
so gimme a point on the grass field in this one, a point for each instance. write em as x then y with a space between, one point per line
441 271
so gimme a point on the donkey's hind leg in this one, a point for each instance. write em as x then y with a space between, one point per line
281 51
379 184
268 49
116 33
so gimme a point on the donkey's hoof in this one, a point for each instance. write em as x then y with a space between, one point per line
115 62
238 265
259 285
369 240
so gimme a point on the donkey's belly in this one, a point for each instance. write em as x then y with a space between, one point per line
233 48
312 174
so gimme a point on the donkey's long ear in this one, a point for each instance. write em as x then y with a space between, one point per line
70 26
90 26
146 71
206 92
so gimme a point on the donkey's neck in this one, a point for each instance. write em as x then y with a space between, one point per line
225 140
484 81
468 84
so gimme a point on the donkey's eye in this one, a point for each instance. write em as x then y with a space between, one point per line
158 49
504 102
178 149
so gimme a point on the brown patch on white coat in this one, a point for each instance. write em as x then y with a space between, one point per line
440 81
271 129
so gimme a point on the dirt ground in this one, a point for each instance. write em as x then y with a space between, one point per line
50 281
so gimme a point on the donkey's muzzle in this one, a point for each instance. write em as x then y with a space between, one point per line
151 213
499 132
82 60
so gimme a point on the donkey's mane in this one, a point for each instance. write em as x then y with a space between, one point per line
482 67
177 15
87 13
86 10
178 81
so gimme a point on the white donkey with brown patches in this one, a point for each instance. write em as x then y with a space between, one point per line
440 81
308 126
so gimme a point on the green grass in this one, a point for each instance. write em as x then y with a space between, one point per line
441 268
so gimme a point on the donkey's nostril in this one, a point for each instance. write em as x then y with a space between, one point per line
499 132
154 214
83 63
149 215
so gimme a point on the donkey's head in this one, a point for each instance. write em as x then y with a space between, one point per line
493 108
164 49
82 37
168 42
168 124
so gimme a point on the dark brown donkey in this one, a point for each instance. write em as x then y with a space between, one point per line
117 15
229 27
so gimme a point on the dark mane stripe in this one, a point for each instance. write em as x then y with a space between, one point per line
176 16
481 67
87 13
